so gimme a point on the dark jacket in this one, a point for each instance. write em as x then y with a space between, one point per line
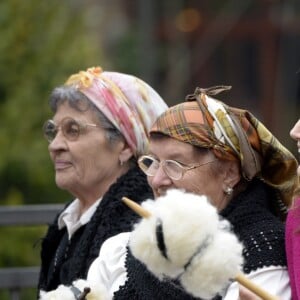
63 261
253 221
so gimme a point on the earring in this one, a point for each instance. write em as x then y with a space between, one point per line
228 191
121 162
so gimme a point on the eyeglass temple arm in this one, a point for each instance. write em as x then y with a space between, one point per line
240 278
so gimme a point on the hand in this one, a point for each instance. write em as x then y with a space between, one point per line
245 294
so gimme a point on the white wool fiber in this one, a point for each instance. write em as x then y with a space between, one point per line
189 221
63 292
173 209
211 272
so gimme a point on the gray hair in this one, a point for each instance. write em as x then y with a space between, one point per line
80 102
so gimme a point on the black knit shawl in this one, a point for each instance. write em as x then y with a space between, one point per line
110 218
262 234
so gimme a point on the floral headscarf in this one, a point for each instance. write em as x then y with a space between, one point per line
231 133
128 102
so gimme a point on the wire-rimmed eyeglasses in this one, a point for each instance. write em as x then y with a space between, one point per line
71 129
174 169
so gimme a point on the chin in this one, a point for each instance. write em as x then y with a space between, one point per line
63 183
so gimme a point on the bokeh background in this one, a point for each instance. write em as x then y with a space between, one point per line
174 45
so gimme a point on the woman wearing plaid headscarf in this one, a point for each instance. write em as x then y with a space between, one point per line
207 147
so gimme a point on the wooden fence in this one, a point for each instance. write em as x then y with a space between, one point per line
17 278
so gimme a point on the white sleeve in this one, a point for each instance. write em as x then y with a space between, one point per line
273 279
109 267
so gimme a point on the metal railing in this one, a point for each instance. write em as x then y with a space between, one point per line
17 278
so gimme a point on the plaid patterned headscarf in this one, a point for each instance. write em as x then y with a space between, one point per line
128 102
232 134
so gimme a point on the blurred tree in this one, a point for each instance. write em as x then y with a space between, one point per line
42 42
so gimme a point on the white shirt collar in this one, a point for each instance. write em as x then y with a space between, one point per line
70 216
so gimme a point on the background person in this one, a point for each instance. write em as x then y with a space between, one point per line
292 240
99 128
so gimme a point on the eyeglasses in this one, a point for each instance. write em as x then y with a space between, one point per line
71 129
175 170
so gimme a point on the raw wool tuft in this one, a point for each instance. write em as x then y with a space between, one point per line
63 292
210 273
173 210
189 221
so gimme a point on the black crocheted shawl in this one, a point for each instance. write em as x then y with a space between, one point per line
110 218
261 232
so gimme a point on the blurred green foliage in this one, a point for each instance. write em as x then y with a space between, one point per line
21 245
41 44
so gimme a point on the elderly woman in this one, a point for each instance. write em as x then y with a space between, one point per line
208 148
99 129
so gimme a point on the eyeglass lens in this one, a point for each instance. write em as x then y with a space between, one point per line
70 129
150 166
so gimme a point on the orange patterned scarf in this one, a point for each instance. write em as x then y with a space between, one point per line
231 133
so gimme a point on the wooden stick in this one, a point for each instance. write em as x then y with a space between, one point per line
136 208
240 278
254 288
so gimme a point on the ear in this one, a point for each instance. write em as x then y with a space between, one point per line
232 174
125 153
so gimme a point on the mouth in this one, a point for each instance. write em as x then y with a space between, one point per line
61 165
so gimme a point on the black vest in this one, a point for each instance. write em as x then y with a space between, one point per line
64 261
261 232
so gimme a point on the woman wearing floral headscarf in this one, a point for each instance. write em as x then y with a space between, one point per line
206 147
99 129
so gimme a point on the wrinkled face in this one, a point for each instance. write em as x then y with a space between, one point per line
204 180
295 134
88 165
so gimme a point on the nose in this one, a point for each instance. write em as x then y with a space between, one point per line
295 131
58 143
159 180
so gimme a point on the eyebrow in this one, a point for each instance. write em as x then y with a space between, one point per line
177 156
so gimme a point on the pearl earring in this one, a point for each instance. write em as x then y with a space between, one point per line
228 191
